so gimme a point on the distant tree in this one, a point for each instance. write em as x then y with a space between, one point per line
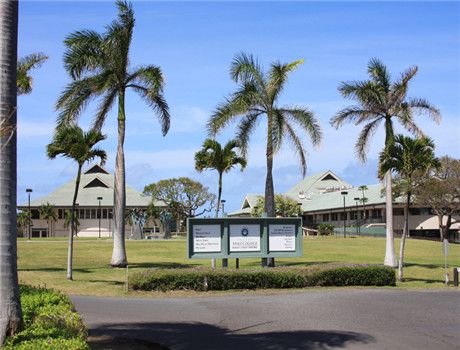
213 156
99 65
23 221
137 217
381 101
410 158
48 213
184 197
24 81
284 206
73 143
441 192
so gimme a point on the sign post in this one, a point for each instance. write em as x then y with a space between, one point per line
244 238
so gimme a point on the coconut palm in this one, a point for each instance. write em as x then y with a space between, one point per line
48 213
408 157
257 96
381 101
99 66
213 156
25 64
73 143
10 308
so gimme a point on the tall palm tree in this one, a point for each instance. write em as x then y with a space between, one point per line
73 143
99 66
257 96
25 64
48 212
213 156
10 308
23 221
408 157
381 101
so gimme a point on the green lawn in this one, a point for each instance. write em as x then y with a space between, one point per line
43 262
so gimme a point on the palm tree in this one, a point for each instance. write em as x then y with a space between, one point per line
257 96
99 67
408 156
10 307
68 222
381 101
23 221
213 156
25 64
47 212
73 143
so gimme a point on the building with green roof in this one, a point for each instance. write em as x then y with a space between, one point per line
325 198
95 204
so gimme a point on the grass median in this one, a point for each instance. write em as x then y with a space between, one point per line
44 262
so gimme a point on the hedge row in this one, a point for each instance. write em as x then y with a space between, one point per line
50 322
199 280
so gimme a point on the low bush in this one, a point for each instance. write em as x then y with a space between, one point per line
198 280
50 322
325 229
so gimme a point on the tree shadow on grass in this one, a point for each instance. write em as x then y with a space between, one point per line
207 336
161 265
426 280
110 282
54 269
427 266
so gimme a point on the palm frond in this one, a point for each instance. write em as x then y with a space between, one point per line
278 76
365 135
246 69
25 64
306 119
422 106
104 108
149 77
379 73
352 114
245 129
298 147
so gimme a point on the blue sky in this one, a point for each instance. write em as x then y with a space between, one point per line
194 43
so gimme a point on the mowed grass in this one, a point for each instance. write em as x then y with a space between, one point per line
43 262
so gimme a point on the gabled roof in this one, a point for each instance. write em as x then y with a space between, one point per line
317 184
95 182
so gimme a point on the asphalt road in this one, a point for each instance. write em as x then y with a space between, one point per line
314 319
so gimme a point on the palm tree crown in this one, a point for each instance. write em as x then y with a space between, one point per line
99 66
257 96
25 64
213 156
380 100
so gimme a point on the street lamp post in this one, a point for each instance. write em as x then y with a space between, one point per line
224 260
100 215
344 193
29 217
357 214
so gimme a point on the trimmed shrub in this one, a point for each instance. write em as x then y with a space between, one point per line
198 280
50 322
325 229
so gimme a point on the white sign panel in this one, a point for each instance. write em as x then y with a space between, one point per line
206 238
244 238
281 238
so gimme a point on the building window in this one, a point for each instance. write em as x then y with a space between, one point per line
110 214
398 211
353 215
343 216
93 213
104 213
325 217
376 213
334 217
61 214
87 213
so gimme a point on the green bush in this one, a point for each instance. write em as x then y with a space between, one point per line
195 279
325 229
50 322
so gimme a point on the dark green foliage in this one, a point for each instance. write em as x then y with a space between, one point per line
325 229
156 280
50 322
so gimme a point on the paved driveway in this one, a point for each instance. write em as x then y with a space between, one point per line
314 319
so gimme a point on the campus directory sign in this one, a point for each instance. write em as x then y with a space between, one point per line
244 238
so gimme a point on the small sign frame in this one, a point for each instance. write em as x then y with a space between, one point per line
238 238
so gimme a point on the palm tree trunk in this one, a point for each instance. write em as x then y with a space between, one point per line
73 227
390 256
119 250
269 190
219 195
403 239
10 308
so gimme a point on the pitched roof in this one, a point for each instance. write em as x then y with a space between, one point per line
317 184
95 182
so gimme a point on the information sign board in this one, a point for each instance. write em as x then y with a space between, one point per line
206 238
281 238
245 238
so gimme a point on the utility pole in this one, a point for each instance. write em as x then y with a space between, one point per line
344 193
29 217
100 215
